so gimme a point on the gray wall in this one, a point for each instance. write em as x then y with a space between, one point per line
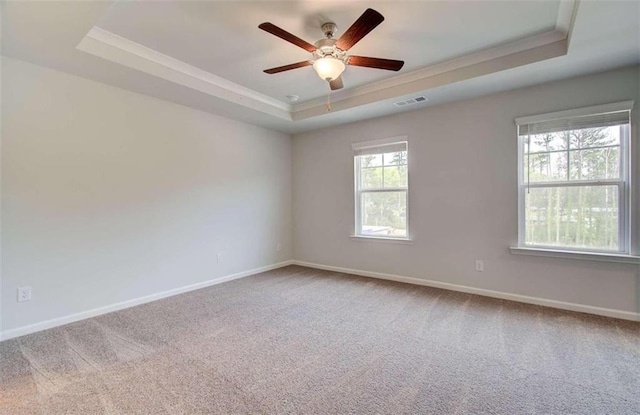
108 195
1 64
462 196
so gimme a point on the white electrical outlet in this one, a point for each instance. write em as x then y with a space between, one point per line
479 265
279 247
219 257
24 294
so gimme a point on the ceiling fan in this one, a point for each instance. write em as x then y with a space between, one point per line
330 55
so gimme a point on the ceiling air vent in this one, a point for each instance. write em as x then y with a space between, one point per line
410 101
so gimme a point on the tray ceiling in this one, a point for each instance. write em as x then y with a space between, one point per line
210 55
223 37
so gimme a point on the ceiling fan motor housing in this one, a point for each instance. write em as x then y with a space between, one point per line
327 47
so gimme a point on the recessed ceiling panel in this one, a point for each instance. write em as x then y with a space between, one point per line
222 37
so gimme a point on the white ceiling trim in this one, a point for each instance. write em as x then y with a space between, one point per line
424 84
110 46
115 48
566 15
521 52
487 55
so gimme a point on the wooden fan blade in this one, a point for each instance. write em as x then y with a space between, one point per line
336 83
283 34
288 67
365 23
388 64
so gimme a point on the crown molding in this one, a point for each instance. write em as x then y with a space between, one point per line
567 10
539 47
110 46
381 91
532 49
510 55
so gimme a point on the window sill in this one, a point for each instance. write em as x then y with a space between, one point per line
589 256
405 241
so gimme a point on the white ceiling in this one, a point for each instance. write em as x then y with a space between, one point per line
223 37
453 50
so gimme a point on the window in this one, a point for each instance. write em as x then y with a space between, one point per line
574 179
381 188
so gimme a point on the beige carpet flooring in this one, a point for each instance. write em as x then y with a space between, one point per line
298 340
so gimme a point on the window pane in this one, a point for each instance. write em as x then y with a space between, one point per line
384 213
576 217
594 164
393 159
371 178
594 137
546 142
395 176
546 167
371 160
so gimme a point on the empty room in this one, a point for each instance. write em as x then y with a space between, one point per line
320 207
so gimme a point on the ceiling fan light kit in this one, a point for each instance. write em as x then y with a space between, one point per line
329 55
329 68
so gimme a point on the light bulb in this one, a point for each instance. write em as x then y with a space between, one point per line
328 68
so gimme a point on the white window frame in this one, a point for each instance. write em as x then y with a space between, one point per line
357 233
623 254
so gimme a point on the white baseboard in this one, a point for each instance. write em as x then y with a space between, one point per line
60 321
608 312
32 328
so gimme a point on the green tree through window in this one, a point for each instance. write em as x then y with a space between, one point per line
573 186
381 187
